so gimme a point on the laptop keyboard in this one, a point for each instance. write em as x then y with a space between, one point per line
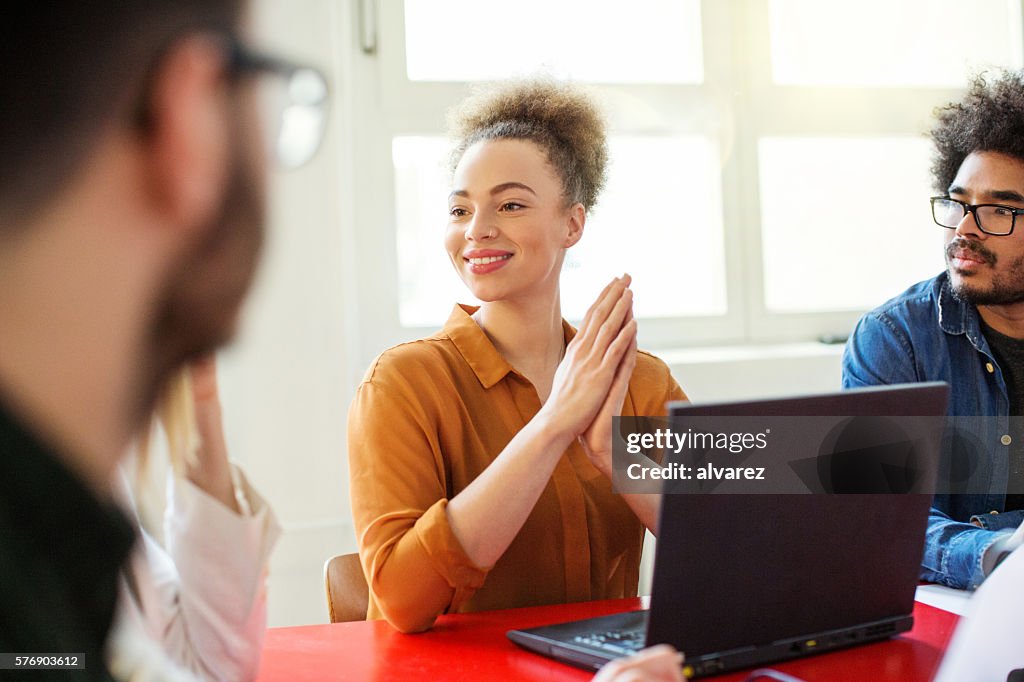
619 642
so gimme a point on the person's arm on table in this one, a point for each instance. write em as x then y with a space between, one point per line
958 554
424 554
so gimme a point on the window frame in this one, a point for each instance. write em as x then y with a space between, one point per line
737 83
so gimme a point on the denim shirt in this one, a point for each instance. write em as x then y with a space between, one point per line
927 334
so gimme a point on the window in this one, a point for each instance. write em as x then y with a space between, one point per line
826 195
633 229
656 41
881 43
769 165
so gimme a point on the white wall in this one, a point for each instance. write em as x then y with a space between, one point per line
288 381
742 372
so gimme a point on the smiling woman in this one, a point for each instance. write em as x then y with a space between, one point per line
507 239
480 457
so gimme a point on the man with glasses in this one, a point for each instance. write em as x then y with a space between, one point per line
966 327
132 175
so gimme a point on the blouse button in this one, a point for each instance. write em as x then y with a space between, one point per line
1006 440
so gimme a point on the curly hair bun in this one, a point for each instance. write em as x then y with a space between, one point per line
560 118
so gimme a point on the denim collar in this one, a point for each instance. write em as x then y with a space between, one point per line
958 317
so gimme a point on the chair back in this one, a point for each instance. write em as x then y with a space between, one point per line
348 596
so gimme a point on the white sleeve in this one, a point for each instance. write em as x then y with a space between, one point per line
987 644
210 592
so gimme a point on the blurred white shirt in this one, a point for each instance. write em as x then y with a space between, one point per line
196 610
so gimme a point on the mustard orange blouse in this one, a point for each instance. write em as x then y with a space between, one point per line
428 418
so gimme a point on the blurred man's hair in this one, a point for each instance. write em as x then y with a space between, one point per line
71 69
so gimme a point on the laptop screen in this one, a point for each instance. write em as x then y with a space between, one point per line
735 571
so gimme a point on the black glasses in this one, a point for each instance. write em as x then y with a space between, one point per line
994 219
294 100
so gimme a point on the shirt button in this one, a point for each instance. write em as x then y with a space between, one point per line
1006 440
993 512
989 367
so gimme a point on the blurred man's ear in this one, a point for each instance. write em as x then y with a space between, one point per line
186 138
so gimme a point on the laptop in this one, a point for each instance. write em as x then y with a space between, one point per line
746 579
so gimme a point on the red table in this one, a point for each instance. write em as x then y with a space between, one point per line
474 647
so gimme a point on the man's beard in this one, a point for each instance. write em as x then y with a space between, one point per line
1006 288
198 309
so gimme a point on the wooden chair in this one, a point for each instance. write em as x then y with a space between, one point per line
347 594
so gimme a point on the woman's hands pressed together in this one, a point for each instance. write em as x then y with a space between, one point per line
609 398
598 360
597 439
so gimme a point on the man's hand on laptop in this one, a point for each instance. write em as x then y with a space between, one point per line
659 663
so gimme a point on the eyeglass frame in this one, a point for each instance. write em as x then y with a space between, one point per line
971 209
241 60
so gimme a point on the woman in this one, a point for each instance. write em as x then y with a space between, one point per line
196 610
480 457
